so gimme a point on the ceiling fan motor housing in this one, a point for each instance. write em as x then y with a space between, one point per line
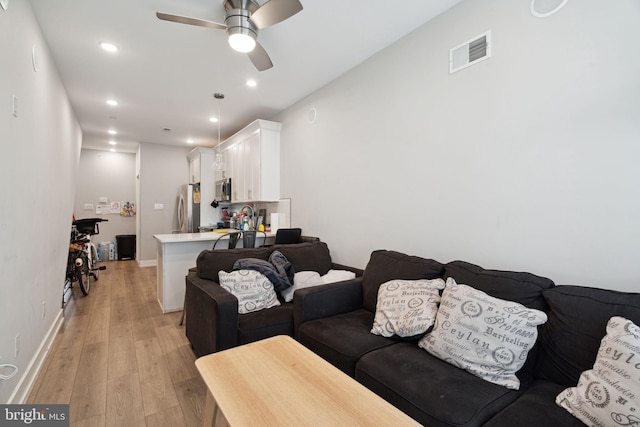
237 17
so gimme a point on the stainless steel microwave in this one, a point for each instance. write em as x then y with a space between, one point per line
223 190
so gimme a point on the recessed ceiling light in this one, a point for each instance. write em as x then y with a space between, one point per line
109 47
189 141
112 102
112 142
213 119
252 83
112 132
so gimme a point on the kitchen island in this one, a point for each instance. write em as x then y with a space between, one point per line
177 253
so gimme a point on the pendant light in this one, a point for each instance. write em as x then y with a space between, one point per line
218 164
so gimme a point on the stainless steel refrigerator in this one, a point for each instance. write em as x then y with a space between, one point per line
189 208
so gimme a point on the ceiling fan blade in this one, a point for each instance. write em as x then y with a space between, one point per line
260 58
190 21
275 11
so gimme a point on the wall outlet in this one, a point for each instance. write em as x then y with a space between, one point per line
158 206
88 206
103 199
44 309
17 346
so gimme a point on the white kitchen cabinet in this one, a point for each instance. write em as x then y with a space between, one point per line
201 171
252 159
194 168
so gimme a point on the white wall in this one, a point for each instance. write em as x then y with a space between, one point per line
40 151
163 169
527 161
111 175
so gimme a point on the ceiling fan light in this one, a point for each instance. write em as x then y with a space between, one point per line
242 42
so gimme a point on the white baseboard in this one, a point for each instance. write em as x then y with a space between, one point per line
147 263
22 390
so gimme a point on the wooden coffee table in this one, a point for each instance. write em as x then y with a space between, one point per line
279 382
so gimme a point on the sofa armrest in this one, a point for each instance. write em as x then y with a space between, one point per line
326 300
211 315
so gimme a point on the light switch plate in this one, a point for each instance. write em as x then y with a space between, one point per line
104 199
158 206
14 105
88 206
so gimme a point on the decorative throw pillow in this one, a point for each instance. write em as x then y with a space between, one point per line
406 308
333 276
483 335
301 279
252 288
307 279
609 394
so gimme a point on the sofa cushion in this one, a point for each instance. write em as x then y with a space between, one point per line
387 265
609 391
313 256
265 323
429 390
486 336
210 262
577 322
536 407
253 290
525 288
342 339
406 308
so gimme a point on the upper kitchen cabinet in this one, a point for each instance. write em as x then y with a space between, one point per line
252 161
200 162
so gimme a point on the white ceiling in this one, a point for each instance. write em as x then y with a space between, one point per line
165 74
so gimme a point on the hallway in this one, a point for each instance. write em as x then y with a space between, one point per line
118 361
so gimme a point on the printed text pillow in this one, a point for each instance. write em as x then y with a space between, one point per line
406 308
483 335
252 288
609 394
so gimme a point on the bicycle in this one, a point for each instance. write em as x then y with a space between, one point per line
77 268
83 262
89 227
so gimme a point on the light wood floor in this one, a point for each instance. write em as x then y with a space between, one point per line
118 361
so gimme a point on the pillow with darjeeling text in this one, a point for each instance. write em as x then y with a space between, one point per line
609 394
486 336
406 308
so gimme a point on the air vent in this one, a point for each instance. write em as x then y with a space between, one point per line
470 52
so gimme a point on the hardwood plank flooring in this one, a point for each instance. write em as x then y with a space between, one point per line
118 361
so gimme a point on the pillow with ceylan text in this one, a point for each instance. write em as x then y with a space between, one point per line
253 289
486 336
609 394
406 308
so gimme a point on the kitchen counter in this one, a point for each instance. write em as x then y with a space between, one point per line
177 253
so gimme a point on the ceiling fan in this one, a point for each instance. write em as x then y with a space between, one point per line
243 19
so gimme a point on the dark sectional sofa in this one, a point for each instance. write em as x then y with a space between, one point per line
335 320
212 319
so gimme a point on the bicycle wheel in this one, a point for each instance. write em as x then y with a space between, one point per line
95 264
83 273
